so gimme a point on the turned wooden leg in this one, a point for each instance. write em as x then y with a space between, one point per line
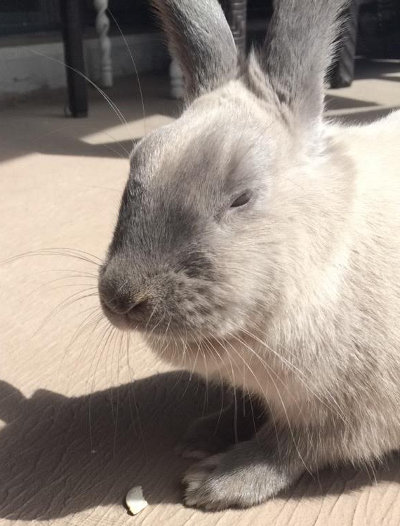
236 14
176 79
102 28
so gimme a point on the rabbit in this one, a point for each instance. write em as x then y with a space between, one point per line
257 245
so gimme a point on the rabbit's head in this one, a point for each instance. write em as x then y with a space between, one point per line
202 243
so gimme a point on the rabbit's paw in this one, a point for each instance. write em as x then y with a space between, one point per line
228 481
205 489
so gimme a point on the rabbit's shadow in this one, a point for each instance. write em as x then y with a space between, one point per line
53 463
60 455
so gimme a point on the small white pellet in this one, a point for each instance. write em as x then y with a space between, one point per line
135 500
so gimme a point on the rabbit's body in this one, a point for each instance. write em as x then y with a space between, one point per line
330 352
259 246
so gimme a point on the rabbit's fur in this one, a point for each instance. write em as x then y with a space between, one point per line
292 297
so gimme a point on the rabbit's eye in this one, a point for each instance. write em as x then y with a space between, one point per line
241 200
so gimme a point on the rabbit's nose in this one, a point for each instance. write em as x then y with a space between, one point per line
126 304
120 296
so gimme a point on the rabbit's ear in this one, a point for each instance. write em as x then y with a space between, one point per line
297 52
199 36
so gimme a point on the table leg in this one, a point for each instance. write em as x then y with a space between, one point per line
73 53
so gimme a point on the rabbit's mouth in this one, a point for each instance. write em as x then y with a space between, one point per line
169 325
170 303
147 319
177 339
119 320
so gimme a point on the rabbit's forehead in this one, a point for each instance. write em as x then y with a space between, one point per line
201 151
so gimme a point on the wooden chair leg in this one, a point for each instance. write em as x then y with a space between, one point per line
236 14
102 28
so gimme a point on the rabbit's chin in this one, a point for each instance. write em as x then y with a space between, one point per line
120 321
195 354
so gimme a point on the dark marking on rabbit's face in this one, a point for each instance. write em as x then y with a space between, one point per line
178 262
197 248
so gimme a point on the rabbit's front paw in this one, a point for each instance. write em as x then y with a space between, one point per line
204 488
233 480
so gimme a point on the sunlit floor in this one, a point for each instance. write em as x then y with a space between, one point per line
75 433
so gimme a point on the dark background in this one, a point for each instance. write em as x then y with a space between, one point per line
378 31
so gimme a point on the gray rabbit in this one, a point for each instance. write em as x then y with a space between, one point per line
259 245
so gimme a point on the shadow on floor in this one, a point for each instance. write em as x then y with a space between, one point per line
393 78
39 126
376 68
365 117
54 464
